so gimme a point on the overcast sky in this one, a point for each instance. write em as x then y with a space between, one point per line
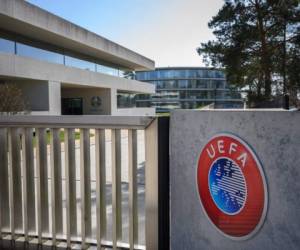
167 31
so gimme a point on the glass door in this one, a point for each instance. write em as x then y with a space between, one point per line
71 106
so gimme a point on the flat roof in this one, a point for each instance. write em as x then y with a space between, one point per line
183 68
21 17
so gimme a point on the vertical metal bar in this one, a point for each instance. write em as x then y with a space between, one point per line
28 181
4 190
56 186
100 185
70 173
151 172
42 183
132 175
85 185
15 188
116 185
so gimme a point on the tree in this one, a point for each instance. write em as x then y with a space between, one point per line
257 43
12 100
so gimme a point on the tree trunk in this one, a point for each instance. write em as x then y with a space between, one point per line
265 56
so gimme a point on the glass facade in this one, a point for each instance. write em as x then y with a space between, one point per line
187 88
161 74
126 100
36 52
78 63
39 54
7 46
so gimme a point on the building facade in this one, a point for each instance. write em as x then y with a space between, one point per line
63 68
187 88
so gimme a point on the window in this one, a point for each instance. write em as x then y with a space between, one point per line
40 54
202 84
107 70
78 63
159 84
126 100
165 74
7 46
22 49
183 84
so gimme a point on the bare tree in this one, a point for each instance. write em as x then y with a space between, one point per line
12 100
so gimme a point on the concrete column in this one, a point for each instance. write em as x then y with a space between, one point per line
54 98
113 101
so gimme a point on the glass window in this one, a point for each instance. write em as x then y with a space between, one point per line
142 76
199 73
180 73
165 74
183 84
152 75
78 63
220 84
142 97
218 74
192 84
159 84
147 76
59 58
128 74
166 95
183 94
171 84
202 84
126 100
122 73
107 70
205 73
7 46
191 74
143 104
40 54
197 95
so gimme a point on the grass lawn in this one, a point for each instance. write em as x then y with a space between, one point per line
162 114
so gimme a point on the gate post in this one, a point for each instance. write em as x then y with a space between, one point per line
157 184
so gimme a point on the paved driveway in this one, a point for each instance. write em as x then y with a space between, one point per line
125 193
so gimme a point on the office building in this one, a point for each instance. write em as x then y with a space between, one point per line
187 88
63 68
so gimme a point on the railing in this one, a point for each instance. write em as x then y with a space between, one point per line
39 196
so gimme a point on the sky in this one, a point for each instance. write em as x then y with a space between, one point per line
166 31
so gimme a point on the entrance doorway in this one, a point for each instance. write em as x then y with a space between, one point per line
71 106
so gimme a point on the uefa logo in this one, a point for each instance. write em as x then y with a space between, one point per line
232 186
96 101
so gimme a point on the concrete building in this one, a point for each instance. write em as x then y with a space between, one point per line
187 88
63 68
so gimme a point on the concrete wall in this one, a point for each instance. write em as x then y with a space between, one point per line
54 98
134 112
42 97
275 137
87 94
36 94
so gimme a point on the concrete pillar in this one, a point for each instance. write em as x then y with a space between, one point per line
113 101
54 89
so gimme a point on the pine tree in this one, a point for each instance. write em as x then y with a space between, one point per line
257 43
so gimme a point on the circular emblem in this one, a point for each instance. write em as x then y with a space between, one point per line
96 101
232 186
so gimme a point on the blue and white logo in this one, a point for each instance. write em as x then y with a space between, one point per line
227 186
